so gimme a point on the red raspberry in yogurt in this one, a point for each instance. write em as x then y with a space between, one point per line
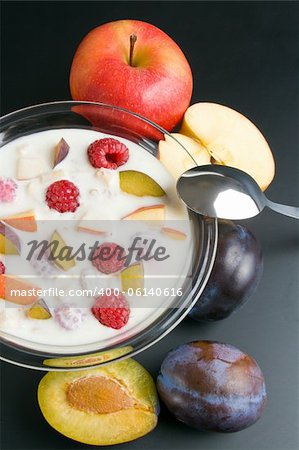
8 189
69 316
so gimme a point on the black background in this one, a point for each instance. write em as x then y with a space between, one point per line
244 55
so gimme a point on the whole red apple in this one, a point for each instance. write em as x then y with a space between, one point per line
134 65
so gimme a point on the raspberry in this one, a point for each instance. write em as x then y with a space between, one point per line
2 268
62 196
69 316
112 310
8 189
108 153
42 265
108 257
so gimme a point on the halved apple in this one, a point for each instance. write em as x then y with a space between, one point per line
132 277
176 160
61 253
153 212
231 139
174 234
24 221
139 183
16 290
9 241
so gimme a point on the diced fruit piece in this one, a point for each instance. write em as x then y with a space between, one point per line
108 153
69 316
109 257
174 234
212 386
9 241
87 224
8 190
92 227
60 253
39 311
154 212
110 405
176 160
63 196
133 277
109 181
61 151
28 168
231 140
2 268
24 221
112 310
34 190
88 360
11 285
235 275
139 183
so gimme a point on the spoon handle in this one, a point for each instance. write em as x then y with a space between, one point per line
291 211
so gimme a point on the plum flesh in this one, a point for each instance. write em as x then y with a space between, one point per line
235 275
212 386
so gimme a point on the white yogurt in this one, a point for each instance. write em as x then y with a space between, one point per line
100 199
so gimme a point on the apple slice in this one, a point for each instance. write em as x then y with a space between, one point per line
9 241
28 168
231 139
174 234
90 224
139 183
153 212
172 155
60 253
24 221
39 311
9 285
132 277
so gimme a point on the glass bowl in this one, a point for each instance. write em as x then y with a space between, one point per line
124 124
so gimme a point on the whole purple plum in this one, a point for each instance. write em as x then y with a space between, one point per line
235 275
212 386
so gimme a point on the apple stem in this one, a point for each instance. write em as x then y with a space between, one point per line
133 39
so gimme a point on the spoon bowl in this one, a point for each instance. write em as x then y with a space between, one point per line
225 193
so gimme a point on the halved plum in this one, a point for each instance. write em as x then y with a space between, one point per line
105 406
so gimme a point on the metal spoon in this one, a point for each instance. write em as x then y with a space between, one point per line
226 193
